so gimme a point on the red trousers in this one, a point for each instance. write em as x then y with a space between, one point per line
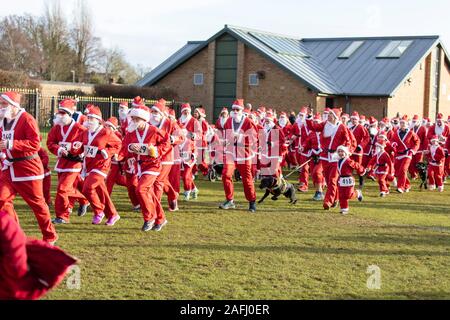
447 167
47 185
317 174
383 182
331 177
67 193
435 175
401 172
245 169
32 193
175 176
132 183
345 195
358 158
158 186
79 183
148 199
95 191
413 171
188 181
303 177
115 177
291 158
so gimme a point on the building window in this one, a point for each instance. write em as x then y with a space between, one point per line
351 49
395 49
198 79
253 79
329 103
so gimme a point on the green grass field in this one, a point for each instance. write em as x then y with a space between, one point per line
281 252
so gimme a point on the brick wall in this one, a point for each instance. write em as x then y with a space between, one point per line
369 106
444 98
410 96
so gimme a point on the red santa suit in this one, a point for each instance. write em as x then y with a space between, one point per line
99 148
195 131
436 161
447 157
382 164
421 132
22 171
67 137
241 146
362 137
117 174
346 182
405 146
312 150
147 166
442 131
202 146
302 157
28 268
331 137
47 183
272 148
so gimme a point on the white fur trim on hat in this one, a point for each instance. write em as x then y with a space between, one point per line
343 148
8 99
93 115
236 106
110 124
155 108
140 113
68 111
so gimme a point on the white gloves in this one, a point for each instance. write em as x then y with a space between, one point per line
104 154
62 152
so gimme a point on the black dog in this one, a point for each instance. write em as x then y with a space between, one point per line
277 187
423 174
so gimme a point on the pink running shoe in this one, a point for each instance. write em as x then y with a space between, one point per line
98 218
112 221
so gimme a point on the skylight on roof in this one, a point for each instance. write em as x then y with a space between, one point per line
395 49
281 45
351 49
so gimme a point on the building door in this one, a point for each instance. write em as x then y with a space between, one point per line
329 103
225 73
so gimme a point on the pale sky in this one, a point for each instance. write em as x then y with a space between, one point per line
150 31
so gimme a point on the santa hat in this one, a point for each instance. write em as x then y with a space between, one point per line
269 116
95 112
201 112
171 112
13 98
88 106
238 104
373 121
440 116
383 136
336 112
415 118
123 104
386 121
160 108
381 142
186 106
345 149
317 117
404 118
303 111
224 110
137 102
434 137
355 115
67 106
112 122
247 110
142 112
326 111
283 114
261 109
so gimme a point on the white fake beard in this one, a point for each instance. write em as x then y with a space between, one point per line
93 126
330 129
6 113
282 122
237 117
155 120
132 126
222 121
269 126
378 150
184 119
373 131
438 130
300 121
433 148
123 115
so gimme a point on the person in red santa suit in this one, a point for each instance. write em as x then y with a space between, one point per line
333 134
202 147
363 138
22 171
345 119
346 182
195 132
123 117
363 121
160 120
100 146
283 123
368 151
117 174
383 167
272 147
440 129
436 160
421 131
145 144
311 149
386 127
78 116
405 143
240 142
47 183
447 158
395 123
63 140
223 117
28 268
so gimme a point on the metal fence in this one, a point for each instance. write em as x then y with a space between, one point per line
44 107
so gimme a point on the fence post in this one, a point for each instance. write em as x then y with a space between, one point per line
36 109
110 106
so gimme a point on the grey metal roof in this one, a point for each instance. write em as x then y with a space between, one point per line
169 64
315 61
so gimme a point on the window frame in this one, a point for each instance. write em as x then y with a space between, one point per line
353 47
255 75
195 78
392 46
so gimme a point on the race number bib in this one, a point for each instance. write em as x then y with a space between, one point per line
91 152
8 135
346 182
66 146
143 149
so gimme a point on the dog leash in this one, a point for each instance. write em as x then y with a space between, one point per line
297 168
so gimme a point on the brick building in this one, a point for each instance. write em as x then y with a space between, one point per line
380 76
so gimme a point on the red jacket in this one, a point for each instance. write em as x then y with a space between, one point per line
272 144
170 127
242 142
28 268
406 147
362 137
312 145
341 137
421 132
24 141
66 136
345 169
45 161
432 131
436 157
143 163
382 162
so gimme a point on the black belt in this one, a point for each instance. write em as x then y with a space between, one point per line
331 151
73 158
346 176
34 156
